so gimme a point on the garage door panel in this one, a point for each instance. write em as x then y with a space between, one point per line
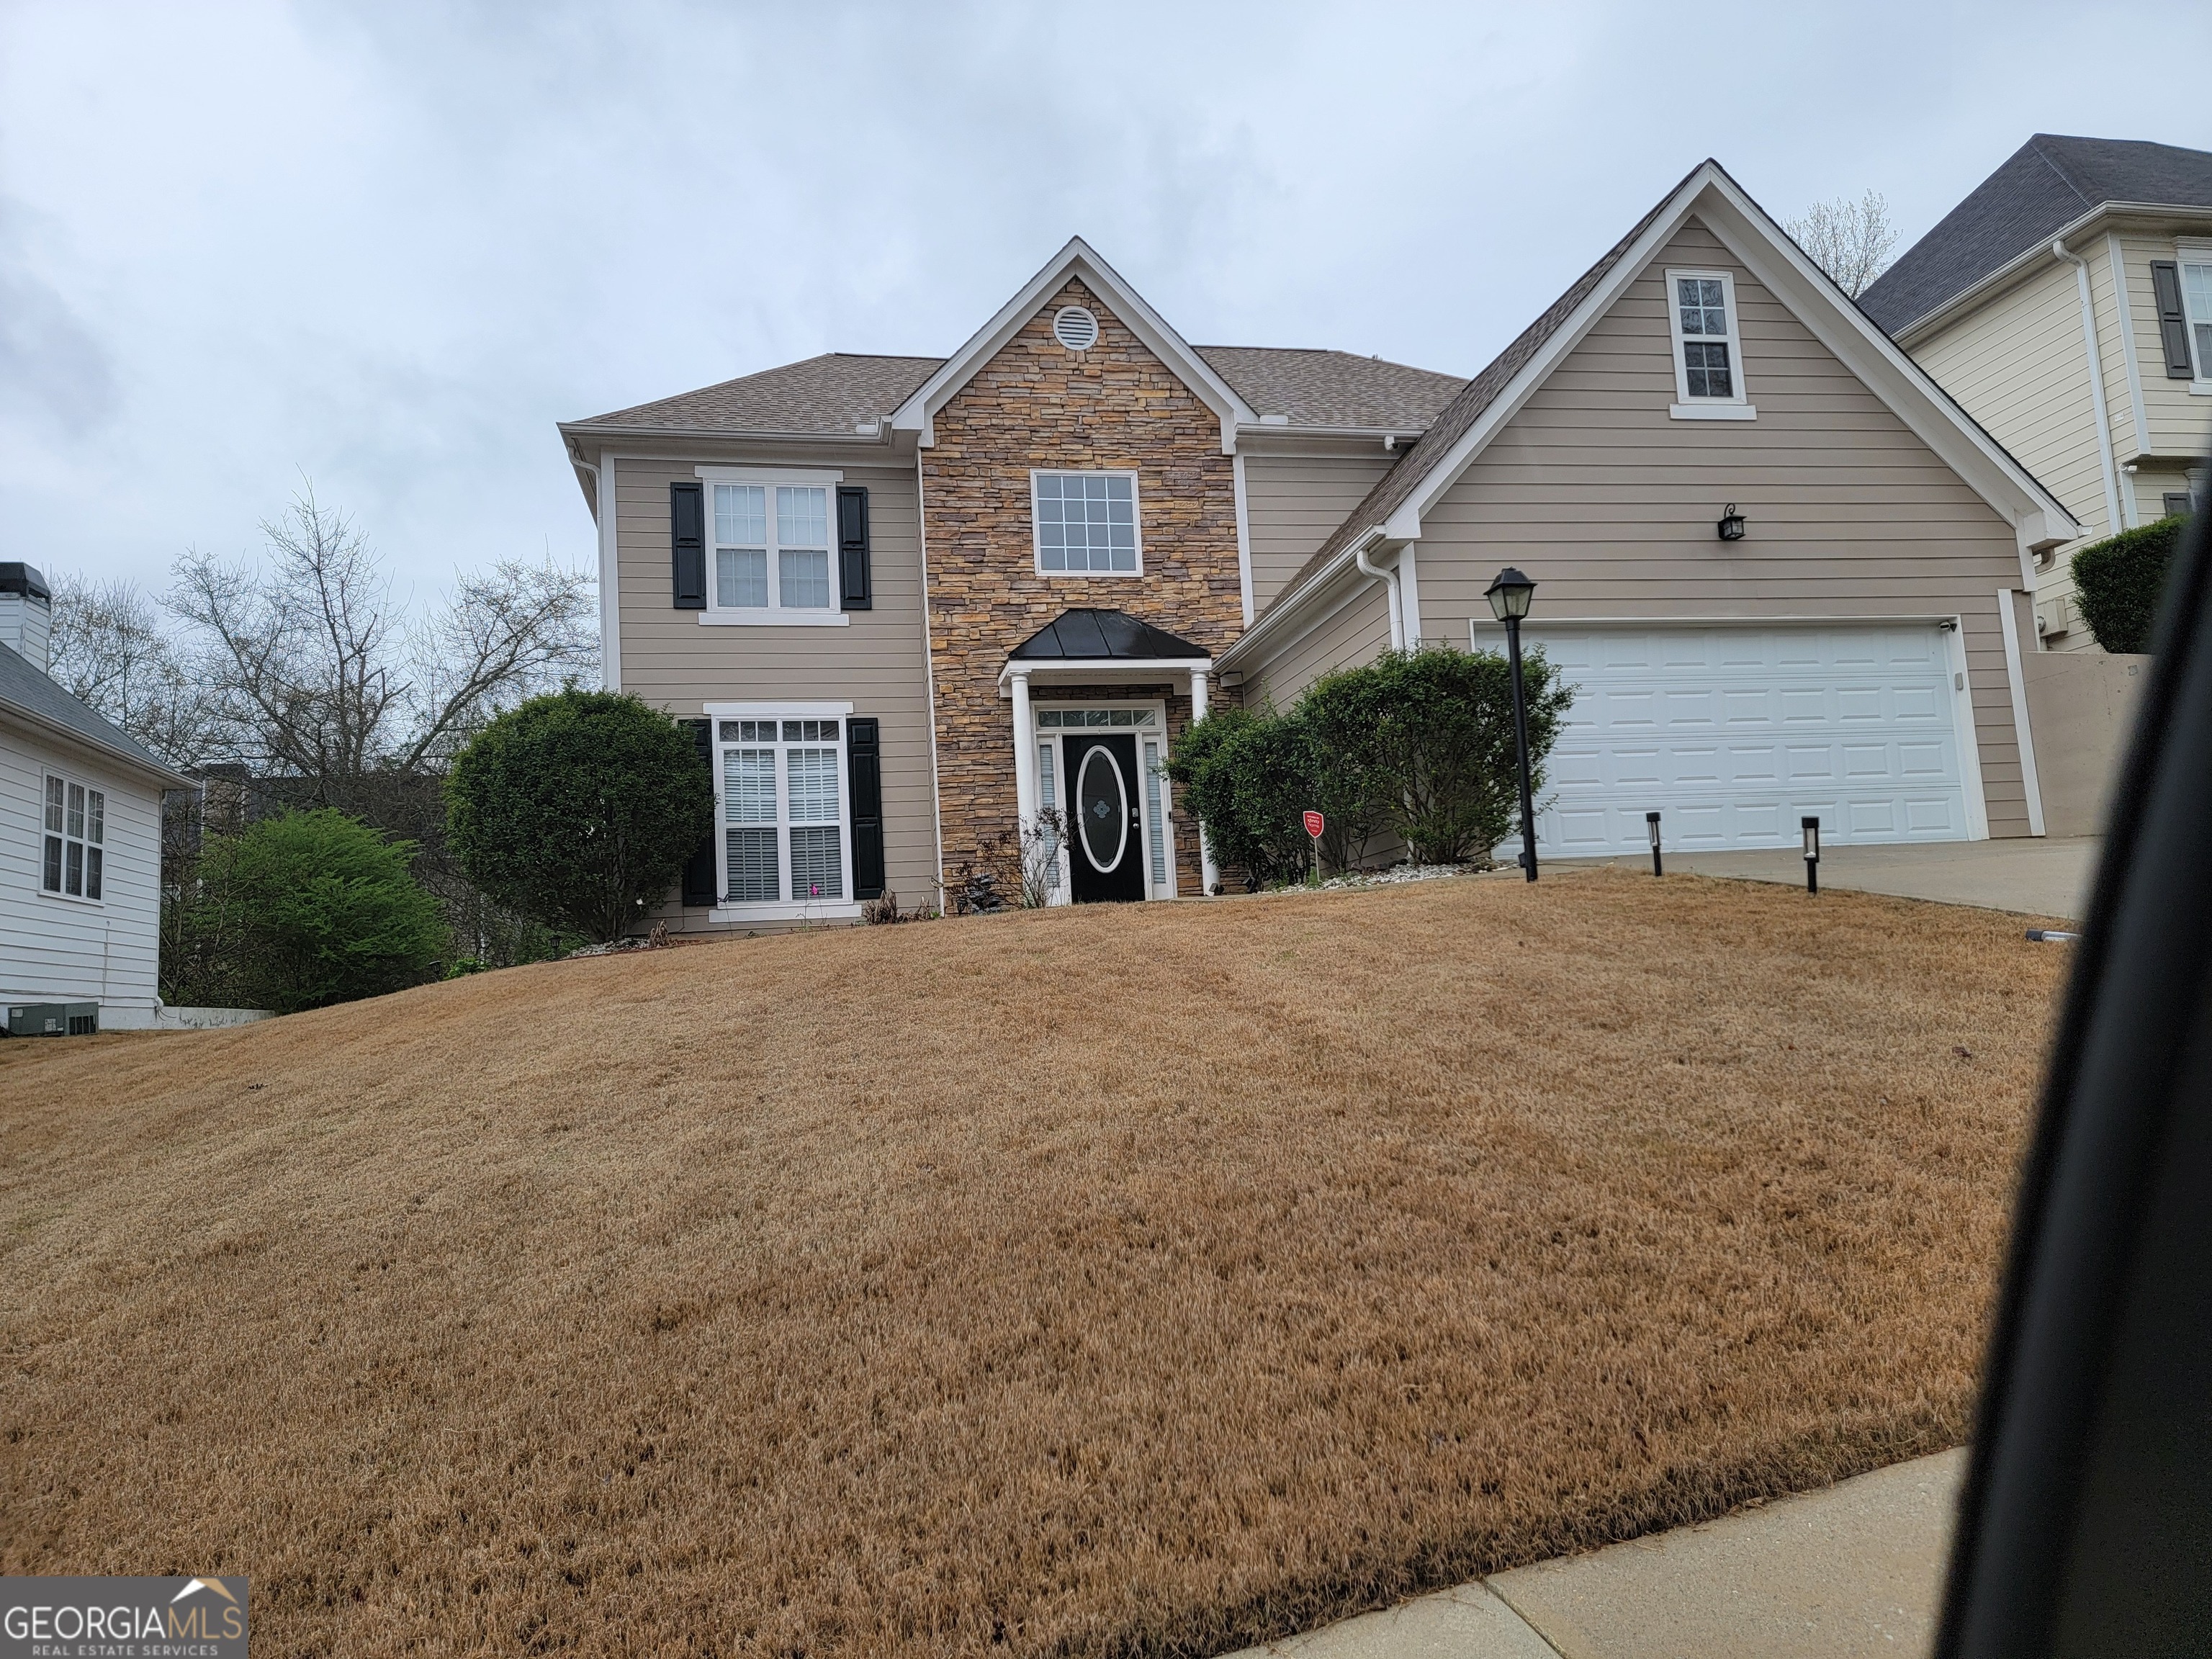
1735 734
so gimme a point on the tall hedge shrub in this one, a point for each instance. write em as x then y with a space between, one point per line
2117 582
578 809
1244 772
298 912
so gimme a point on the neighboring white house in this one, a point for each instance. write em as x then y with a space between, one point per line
80 835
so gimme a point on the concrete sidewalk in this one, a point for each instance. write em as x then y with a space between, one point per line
1856 1568
2040 876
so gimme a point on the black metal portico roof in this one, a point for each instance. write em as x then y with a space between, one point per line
1089 635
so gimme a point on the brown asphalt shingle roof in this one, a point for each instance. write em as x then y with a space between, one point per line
835 392
1396 486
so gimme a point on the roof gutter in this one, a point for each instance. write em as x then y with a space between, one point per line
1353 555
876 435
169 776
1389 580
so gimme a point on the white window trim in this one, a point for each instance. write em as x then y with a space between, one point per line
2187 252
773 614
1136 521
1049 738
38 865
1685 407
845 910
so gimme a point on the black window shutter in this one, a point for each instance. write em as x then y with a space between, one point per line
699 884
864 768
687 537
856 583
2173 321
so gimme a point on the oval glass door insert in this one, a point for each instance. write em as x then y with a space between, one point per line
1103 804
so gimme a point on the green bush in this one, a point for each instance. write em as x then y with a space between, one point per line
1243 772
2119 580
1418 743
299 911
578 809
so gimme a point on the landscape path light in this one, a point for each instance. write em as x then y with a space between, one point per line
1508 595
1810 828
1651 823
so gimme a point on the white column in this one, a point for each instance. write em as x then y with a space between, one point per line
1025 778
1209 877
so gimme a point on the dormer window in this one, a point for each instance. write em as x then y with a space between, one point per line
1708 347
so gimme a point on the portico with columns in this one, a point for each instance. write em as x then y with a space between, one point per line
1091 694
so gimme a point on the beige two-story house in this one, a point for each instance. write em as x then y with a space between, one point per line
2067 304
911 605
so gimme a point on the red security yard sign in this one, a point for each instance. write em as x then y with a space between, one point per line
1313 824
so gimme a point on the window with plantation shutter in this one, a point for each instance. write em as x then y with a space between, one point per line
856 585
687 538
781 802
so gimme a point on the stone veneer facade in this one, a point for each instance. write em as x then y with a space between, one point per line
1037 406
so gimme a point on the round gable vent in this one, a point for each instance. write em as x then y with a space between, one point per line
1075 328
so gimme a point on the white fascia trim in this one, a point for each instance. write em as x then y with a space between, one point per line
1480 626
1315 605
1409 595
603 477
2122 303
2023 731
1286 605
796 711
76 743
918 413
1244 537
804 477
1099 670
773 616
1712 411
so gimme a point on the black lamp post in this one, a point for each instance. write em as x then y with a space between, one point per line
1508 595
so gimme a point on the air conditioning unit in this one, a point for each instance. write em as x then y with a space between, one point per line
53 1019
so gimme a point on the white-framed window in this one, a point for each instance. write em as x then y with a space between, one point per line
785 841
1708 345
2195 273
1085 524
1147 724
73 852
771 553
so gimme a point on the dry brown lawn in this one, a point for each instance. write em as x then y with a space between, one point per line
1150 1279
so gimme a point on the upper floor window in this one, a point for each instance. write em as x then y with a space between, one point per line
1086 522
1708 345
772 547
2196 306
76 839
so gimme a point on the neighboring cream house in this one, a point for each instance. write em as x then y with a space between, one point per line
2067 304
908 603
80 840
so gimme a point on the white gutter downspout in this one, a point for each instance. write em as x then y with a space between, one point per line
2115 520
1390 580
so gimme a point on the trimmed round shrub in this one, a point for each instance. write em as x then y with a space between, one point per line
2117 582
579 810
305 910
1243 772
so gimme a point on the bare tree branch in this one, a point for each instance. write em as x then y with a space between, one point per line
109 647
1850 240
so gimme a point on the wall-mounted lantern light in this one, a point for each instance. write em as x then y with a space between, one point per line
1651 823
1731 525
1811 830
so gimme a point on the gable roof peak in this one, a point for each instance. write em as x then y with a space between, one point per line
1076 258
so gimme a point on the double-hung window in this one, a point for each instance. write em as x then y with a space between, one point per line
784 813
75 839
771 560
1708 346
1085 523
2196 264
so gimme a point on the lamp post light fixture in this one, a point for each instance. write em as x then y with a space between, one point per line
1731 525
1651 823
1508 595
1810 828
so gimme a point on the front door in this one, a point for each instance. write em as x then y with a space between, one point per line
1106 860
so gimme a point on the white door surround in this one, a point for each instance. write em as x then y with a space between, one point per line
1734 730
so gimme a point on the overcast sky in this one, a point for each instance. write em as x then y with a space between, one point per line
385 246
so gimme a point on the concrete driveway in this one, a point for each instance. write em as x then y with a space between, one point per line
2042 876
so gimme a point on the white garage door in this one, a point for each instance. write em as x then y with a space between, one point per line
1735 734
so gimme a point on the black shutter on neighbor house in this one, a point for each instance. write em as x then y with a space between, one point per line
687 543
864 768
699 892
855 583
2173 321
